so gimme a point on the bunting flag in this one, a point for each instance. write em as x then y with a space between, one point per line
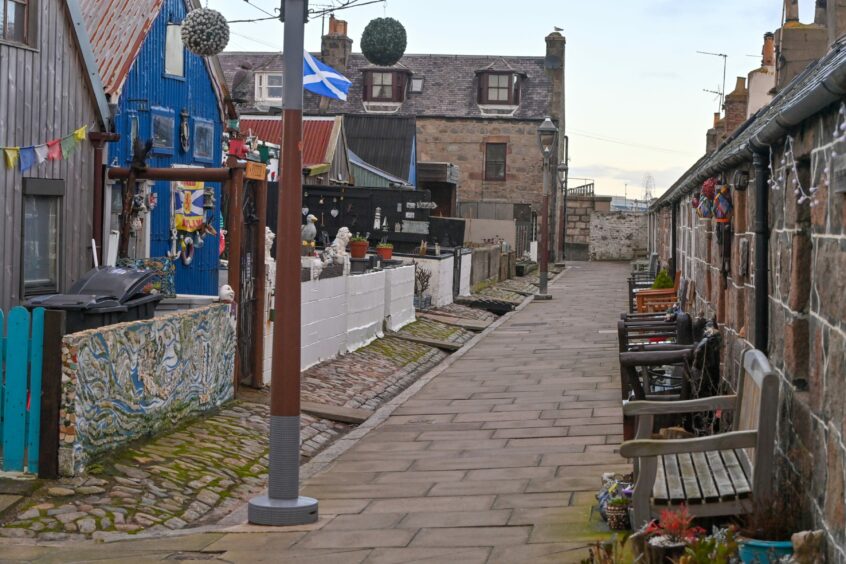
28 158
10 155
55 150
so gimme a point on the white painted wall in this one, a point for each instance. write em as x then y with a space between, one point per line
399 297
324 320
440 285
466 267
365 308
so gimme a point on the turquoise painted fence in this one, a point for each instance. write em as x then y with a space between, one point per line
21 361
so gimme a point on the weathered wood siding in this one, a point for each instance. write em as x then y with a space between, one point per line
44 95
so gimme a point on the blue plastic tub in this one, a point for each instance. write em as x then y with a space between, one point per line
763 552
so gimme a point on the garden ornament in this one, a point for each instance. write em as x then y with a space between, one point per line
226 294
308 232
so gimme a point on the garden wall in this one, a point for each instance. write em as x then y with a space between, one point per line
440 285
617 235
127 381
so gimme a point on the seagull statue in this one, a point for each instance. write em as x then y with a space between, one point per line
308 232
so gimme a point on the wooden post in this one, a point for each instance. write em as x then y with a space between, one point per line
51 394
234 221
259 320
126 214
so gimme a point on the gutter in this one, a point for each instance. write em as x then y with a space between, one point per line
814 99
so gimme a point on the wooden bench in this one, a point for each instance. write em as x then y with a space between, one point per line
718 475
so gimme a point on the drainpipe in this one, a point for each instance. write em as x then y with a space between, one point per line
674 239
759 161
99 140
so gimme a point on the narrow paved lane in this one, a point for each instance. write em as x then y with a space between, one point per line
496 459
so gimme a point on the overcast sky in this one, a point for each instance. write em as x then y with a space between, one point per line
635 100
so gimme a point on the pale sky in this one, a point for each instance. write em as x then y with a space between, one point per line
635 100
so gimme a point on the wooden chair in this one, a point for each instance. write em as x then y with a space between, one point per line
714 476
642 280
658 300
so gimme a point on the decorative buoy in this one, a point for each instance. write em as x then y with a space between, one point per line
205 32
384 41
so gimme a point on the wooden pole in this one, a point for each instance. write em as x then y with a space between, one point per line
51 395
234 223
259 319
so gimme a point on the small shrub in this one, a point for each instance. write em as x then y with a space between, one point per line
663 280
385 246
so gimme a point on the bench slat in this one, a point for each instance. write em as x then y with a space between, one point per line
674 483
689 481
706 481
735 471
659 489
721 478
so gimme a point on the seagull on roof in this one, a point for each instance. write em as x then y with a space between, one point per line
309 230
556 28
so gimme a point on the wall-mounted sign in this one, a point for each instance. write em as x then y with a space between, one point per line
256 171
426 205
409 215
411 205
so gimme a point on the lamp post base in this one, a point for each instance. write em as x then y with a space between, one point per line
542 297
262 510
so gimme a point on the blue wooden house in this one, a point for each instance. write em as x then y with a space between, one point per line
161 91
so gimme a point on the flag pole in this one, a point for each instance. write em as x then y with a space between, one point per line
283 505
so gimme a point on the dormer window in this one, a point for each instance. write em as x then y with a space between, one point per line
499 89
269 87
384 86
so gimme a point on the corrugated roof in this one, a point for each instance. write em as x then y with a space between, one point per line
317 135
449 83
376 172
117 29
386 142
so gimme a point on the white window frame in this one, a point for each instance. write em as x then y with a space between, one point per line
174 51
262 86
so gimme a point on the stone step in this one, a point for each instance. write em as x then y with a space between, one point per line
336 413
464 323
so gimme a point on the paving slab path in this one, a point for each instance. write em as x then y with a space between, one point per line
496 459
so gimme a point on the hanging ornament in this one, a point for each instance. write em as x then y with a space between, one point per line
384 41
305 211
334 212
205 32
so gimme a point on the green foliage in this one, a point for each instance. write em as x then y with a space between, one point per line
358 239
619 501
663 280
719 548
385 246
383 41
614 551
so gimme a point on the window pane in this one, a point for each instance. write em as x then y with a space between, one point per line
203 140
16 21
274 80
274 92
417 85
174 53
163 127
41 242
495 161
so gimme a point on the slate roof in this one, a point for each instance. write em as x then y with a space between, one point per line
449 83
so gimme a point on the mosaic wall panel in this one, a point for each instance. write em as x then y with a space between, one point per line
127 381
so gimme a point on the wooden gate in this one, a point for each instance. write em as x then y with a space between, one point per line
21 361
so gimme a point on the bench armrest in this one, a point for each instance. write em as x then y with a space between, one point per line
724 441
639 407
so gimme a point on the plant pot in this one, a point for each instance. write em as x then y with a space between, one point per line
358 249
385 253
761 551
618 517
422 302
664 553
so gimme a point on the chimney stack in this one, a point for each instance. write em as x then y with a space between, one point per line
735 105
821 13
554 64
336 46
791 11
768 51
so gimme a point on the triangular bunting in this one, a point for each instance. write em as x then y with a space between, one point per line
79 134
54 150
28 158
10 155
41 152
69 145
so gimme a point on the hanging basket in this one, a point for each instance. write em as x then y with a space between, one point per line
205 32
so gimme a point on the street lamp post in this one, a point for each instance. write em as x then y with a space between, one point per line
547 136
563 173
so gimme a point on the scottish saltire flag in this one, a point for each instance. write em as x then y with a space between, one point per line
323 80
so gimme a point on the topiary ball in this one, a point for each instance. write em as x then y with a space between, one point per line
383 41
205 32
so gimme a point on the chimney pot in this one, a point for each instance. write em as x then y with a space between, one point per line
716 118
768 51
791 11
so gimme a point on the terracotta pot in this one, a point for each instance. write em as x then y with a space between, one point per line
385 253
358 249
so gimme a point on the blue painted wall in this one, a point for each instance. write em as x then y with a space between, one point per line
147 87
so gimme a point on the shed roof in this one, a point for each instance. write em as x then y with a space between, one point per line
117 29
386 142
320 135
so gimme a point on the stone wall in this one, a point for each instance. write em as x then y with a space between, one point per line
462 142
127 381
617 235
807 318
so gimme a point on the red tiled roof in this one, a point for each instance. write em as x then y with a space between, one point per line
317 134
117 29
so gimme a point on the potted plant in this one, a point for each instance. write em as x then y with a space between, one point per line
385 251
671 535
717 548
422 279
617 512
358 247
765 535
662 281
